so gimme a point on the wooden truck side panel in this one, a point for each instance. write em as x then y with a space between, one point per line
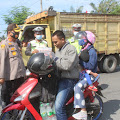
105 27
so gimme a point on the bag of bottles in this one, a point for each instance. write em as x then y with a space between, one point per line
47 111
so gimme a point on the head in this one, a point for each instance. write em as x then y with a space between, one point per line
85 38
76 28
38 33
13 31
58 39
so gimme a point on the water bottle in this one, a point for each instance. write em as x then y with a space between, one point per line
54 117
49 112
43 111
54 114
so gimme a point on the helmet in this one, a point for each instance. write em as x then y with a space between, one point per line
40 63
77 27
90 37
81 35
37 29
86 35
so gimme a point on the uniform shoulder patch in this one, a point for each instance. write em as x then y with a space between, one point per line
2 46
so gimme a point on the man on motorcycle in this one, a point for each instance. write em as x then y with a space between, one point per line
67 62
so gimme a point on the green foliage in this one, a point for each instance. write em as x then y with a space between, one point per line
106 7
2 38
116 11
78 10
72 9
17 15
64 10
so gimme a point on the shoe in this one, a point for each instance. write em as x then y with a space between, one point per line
93 88
82 115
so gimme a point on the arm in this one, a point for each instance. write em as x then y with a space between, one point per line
91 73
28 50
69 60
3 53
90 65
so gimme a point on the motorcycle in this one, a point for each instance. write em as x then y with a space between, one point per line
21 108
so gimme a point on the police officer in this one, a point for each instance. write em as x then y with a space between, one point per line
39 41
75 29
12 69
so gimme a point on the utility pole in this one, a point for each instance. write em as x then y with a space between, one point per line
41 5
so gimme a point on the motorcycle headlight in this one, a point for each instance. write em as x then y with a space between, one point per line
20 98
28 72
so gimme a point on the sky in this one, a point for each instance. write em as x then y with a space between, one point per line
35 6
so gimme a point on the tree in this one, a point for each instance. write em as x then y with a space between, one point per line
79 10
2 38
17 15
117 10
106 7
64 10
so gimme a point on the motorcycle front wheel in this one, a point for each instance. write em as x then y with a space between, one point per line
16 115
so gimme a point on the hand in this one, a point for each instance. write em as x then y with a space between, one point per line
35 51
95 74
2 81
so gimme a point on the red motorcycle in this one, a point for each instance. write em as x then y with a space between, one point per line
22 109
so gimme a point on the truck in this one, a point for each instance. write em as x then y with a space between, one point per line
106 28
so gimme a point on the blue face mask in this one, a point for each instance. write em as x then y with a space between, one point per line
38 37
82 42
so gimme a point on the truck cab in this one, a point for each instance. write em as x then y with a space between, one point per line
26 35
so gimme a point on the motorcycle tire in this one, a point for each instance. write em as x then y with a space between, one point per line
16 115
95 109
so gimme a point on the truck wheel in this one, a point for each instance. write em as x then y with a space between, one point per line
110 63
100 65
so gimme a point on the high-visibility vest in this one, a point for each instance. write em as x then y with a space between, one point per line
75 43
35 44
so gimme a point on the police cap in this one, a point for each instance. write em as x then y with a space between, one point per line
38 29
77 27
14 27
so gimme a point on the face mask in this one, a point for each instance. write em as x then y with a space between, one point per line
82 42
14 35
38 37
75 33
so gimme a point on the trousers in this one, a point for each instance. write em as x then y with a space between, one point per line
65 91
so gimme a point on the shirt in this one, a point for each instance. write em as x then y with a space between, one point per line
11 63
68 61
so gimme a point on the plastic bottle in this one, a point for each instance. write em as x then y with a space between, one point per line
54 114
54 117
43 111
49 112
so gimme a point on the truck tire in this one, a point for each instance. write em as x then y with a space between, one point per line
110 63
100 65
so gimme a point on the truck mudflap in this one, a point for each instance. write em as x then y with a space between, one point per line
13 106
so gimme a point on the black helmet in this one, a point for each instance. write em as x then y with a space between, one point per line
40 63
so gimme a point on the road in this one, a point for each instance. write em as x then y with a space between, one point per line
110 82
111 90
